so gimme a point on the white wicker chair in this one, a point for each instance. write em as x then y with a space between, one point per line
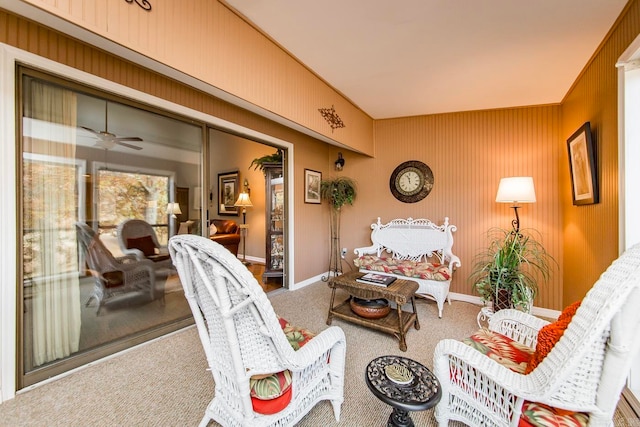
137 277
585 371
242 337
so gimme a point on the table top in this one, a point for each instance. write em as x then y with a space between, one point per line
420 389
404 288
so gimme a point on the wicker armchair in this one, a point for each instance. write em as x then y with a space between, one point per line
123 277
242 338
584 371
137 237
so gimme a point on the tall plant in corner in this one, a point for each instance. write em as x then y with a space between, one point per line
506 272
337 192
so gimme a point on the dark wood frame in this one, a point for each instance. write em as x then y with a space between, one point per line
582 166
228 180
309 186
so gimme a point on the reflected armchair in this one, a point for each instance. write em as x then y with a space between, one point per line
114 277
137 237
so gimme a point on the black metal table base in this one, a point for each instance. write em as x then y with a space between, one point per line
399 418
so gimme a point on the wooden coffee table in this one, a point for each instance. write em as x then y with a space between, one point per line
401 291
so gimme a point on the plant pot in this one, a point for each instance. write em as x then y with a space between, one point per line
502 299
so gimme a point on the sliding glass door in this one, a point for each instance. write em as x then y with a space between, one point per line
105 183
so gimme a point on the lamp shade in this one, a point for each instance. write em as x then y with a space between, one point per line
516 189
173 209
243 201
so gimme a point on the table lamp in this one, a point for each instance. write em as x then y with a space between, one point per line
244 202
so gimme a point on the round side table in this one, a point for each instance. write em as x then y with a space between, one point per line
405 385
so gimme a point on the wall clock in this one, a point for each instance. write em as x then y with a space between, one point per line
411 181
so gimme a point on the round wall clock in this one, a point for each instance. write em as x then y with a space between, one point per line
411 181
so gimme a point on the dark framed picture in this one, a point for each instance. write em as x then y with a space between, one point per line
228 191
582 166
312 180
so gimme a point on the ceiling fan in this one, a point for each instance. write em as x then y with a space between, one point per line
108 140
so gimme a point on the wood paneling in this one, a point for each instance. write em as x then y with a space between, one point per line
468 153
219 48
590 233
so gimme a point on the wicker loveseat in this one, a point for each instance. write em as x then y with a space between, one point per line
227 233
416 249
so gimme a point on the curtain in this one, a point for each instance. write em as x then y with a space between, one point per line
50 211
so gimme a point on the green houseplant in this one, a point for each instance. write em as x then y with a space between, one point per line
337 192
506 273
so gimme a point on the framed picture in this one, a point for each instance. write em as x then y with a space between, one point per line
312 180
582 166
228 191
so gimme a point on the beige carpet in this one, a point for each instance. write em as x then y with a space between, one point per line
165 383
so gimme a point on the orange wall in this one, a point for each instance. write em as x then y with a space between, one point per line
468 153
590 233
207 41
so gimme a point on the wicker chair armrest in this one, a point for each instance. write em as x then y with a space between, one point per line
517 325
130 258
331 339
490 371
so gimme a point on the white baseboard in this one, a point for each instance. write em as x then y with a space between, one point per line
536 311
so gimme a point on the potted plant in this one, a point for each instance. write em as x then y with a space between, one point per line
506 273
270 158
337 192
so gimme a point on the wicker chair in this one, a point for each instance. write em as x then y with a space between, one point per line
131 230
123 277
585 370
242 338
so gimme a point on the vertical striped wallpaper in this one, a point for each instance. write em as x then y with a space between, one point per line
591 232
468 153
221 49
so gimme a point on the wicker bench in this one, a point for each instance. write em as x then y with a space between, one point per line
416 249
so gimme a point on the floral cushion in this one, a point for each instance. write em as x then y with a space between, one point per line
408 268
516 356
504 350
271 393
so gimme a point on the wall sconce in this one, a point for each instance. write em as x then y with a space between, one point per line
516 189
246 186
339 163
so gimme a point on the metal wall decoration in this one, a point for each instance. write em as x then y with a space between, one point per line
142 3
330 115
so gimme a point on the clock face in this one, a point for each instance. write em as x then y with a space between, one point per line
411 181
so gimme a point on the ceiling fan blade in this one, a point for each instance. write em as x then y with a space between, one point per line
90 130
127 138
128 145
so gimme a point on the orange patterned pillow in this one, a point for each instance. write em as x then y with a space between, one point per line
549 335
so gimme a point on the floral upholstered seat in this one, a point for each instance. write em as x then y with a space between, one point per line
404 267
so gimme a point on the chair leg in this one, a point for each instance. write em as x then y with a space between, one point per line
336 408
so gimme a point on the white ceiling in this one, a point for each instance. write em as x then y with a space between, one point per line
414 57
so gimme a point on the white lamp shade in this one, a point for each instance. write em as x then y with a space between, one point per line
516 189
173 209
243 201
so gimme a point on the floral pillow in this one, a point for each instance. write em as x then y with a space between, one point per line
271 393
